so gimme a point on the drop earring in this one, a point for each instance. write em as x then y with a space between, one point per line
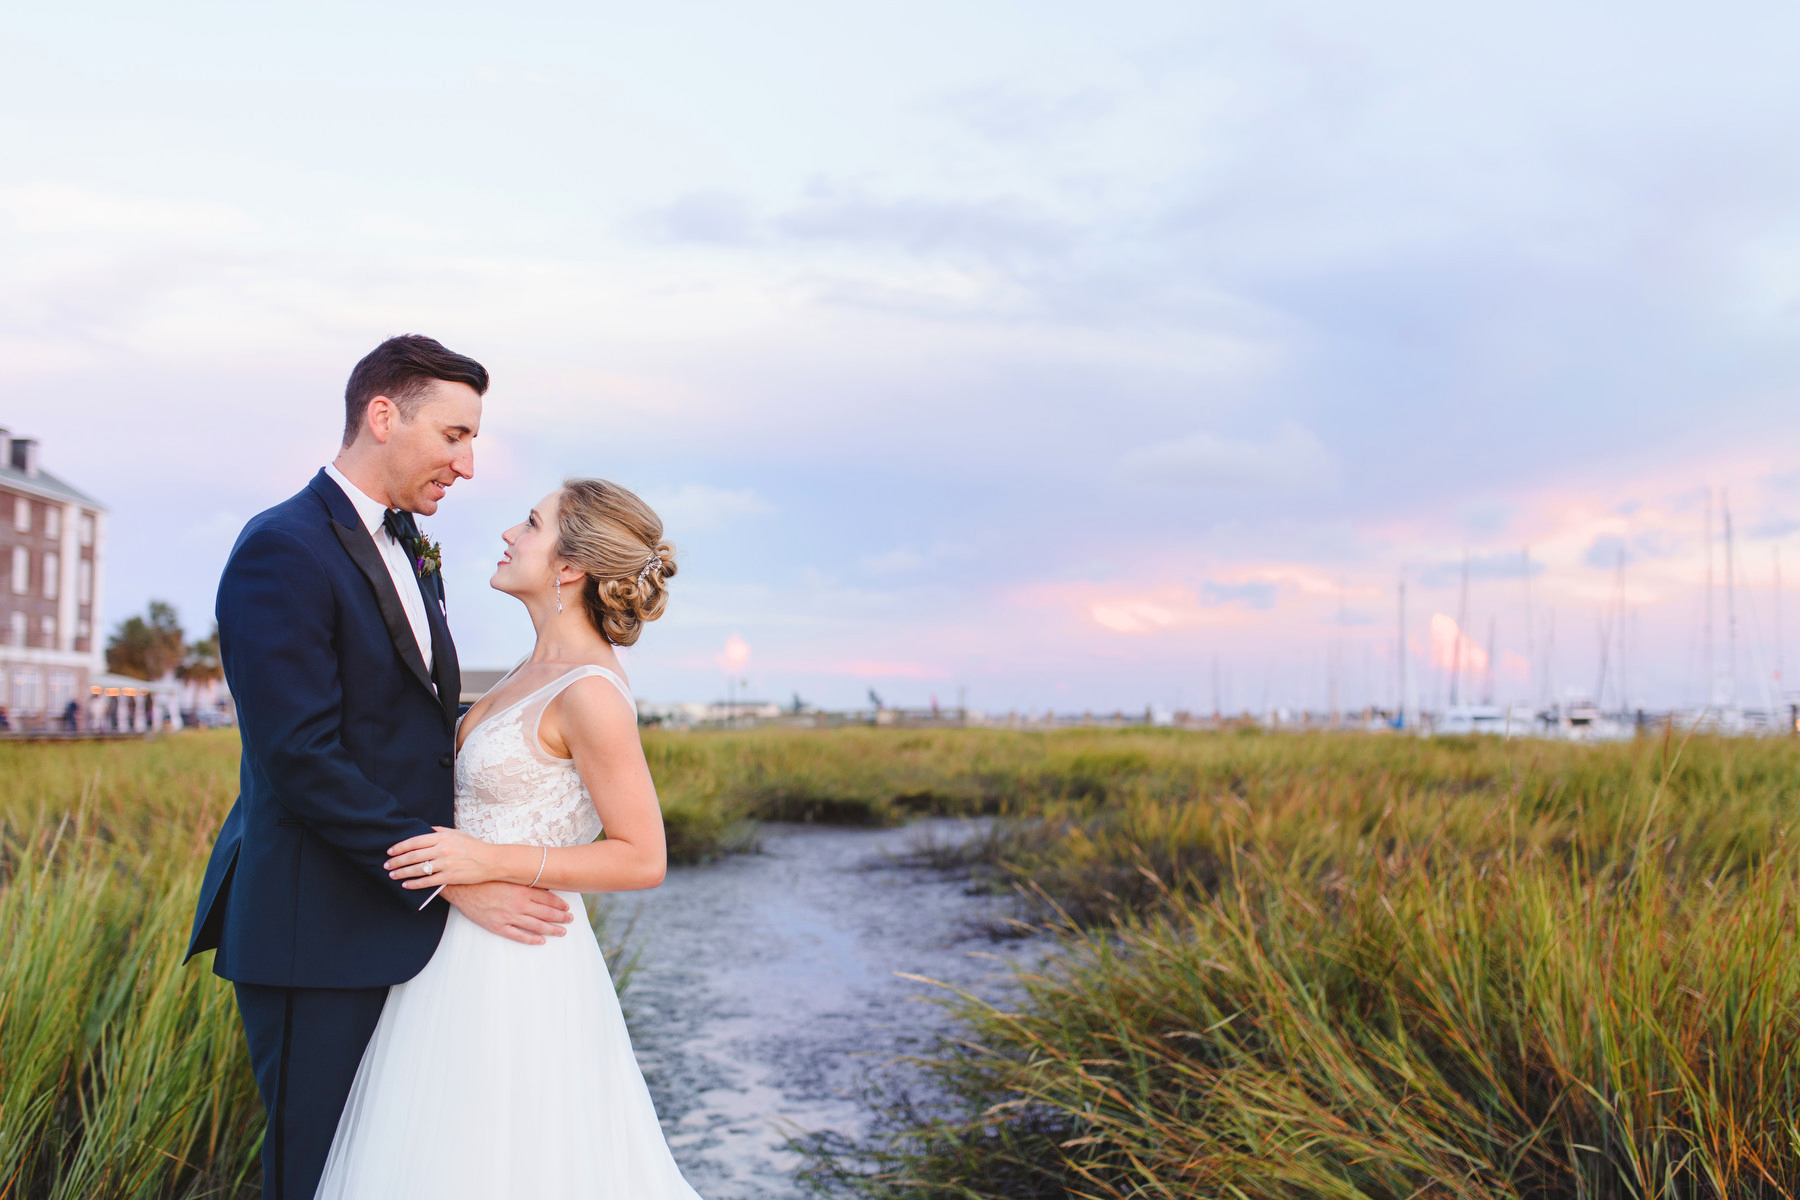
559 595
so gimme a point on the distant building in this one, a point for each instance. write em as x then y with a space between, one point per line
52 578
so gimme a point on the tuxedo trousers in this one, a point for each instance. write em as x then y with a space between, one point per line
305 1046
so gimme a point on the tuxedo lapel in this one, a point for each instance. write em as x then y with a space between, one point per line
443 650
361 548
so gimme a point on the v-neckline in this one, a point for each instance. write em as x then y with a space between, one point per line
489 717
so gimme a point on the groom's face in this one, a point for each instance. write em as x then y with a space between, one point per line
422 457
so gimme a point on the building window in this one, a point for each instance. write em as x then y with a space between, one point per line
47 633
87 529
52 521
62 690
21 569
84 581
27 691
52 575
21 514
83 630
15 629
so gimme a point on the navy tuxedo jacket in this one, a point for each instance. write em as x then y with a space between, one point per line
347 750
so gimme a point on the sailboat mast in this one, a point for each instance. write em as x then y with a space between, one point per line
1550 657
1531 671
1493 664
1730 597
1712 670
1337 656
1368 681
1462 616
1619 620
1400 658
1780 666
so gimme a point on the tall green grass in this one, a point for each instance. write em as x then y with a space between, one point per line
122 1073
1355 967
1278 966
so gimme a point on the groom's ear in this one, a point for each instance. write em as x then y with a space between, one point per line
381 418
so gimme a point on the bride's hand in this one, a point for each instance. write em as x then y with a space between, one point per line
453 857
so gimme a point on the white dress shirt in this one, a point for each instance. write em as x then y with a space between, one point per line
373 514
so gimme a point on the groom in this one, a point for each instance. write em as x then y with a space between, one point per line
335 645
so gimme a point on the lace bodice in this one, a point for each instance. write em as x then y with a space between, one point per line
509 790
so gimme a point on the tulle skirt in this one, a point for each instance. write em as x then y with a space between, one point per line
502 1070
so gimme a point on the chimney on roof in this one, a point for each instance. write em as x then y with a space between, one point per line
5 446
24 455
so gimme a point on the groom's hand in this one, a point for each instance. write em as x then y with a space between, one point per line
512 910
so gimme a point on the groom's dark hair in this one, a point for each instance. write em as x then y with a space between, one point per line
401 369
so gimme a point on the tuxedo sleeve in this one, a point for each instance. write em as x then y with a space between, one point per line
277 644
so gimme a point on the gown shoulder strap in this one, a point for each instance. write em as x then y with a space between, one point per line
588 672
533 714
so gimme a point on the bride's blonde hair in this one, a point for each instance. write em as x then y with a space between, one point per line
617 540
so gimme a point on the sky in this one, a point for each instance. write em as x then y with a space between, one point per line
1038 355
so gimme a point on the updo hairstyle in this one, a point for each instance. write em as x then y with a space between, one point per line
617 539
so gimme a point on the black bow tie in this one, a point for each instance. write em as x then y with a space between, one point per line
401 527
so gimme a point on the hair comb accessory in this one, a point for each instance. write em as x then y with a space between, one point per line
654 565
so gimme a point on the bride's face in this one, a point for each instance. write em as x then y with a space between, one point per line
527 569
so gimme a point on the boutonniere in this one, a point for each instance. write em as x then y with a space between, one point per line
428 559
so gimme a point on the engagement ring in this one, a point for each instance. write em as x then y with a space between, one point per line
428 867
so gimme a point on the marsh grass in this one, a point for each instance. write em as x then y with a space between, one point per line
123 1073
1371 968
1279 966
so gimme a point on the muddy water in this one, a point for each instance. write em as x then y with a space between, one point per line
766 986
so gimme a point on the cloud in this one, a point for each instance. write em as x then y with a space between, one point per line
1452 649
1605 549
1256 594
708 218
1292 459
893 562
735 657
1498 564
986 229
1606 552
1659 543
1474 322
43 207
868 668
1133 616
1007 115
1487 518
877 669
696 506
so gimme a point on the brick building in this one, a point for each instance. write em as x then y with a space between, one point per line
52 575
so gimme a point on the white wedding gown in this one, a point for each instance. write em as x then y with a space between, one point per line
504 1070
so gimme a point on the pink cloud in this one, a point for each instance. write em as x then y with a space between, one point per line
1452 649
1133 616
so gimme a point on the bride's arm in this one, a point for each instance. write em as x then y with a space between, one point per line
598 728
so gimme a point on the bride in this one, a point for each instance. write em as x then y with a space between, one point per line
504 1069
